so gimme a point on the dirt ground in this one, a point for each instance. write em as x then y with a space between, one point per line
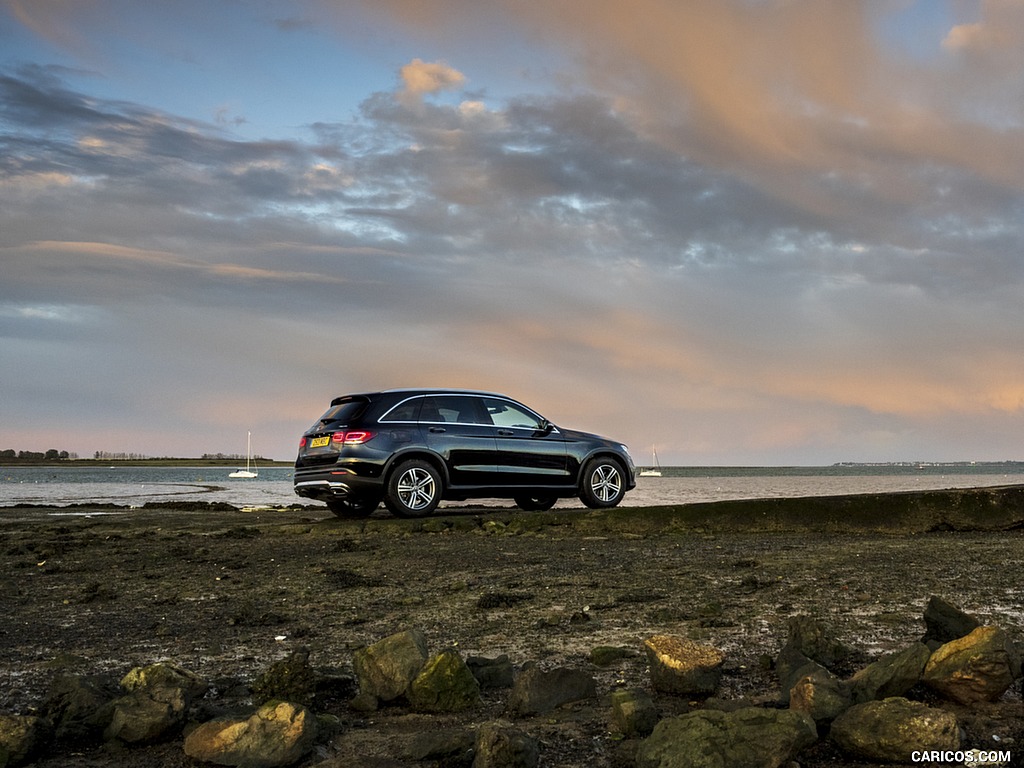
225 593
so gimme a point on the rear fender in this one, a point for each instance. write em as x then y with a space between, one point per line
417 453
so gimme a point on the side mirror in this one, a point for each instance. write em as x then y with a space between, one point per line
545 427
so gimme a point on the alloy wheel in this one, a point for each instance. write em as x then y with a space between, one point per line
606 482
416 488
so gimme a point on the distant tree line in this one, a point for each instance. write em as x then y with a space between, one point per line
53 454
110 456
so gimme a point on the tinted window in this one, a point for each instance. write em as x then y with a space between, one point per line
506 414
407 411
453 409
344 411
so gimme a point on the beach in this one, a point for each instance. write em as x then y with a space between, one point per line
224 593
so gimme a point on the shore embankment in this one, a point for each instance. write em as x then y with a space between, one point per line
998 508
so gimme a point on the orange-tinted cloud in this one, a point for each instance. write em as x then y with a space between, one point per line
796 96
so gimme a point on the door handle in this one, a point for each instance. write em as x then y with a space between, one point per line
438 429
505 432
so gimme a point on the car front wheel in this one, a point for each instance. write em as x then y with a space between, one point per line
414 489
604 483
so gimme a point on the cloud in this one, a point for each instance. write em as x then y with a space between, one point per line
999 32
420 77
749 232
49 19
801 98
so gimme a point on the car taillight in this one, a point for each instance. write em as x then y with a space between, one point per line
302 442
353 437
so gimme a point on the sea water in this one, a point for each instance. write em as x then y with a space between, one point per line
129 487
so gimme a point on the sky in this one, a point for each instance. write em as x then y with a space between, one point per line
745 232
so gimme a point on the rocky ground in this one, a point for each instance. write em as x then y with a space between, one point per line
224 593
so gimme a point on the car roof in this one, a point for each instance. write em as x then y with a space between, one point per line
424 391
444 390
419 391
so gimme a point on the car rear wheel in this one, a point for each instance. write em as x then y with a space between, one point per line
538 502
604 483
354 507
414 489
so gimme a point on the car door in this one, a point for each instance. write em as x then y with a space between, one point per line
530 450
457 428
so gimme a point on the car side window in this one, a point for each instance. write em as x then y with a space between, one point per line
453 409
407 411
429 411
461 410
506 414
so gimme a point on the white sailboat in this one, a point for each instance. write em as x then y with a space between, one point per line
655 469
248 460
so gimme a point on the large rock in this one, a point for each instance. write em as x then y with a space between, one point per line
442 746
633 712
889 731
747 738
815 640
498 746
820 694
537 690
290 679
492 673
156 704
147 716
21 738
683 667
387 668
978 667
445 684
943 622
165 675
891 675
80 708
790 666
279 734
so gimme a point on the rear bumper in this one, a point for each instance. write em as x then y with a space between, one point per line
325 485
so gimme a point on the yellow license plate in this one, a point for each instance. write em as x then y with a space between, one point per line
320 442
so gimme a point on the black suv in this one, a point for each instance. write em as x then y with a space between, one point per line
412 448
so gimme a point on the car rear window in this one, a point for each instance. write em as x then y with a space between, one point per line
343 411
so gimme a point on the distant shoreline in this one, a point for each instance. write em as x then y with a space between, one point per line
165 462
1006 463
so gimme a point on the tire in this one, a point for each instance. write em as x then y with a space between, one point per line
537 502
603 484
355 507
414 489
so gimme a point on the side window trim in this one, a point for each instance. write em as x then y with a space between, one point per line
481 402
